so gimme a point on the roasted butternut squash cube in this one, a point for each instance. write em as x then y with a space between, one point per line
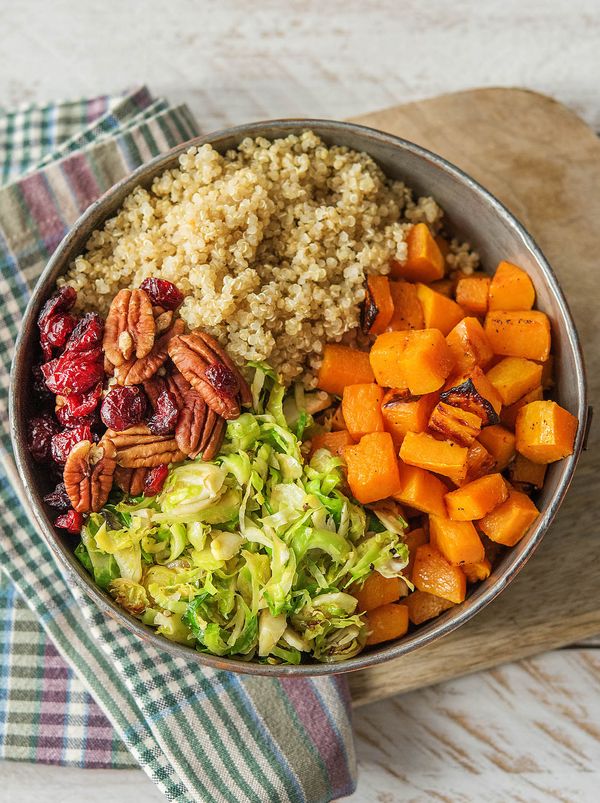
511 520
372 468
455 424
404 413
513 377
421 490
386 622
413 539
418 360
439 312
458 541
479 463
475 572
408 312
361 407
475 393
472 294
475 499
525 475
335 442
434 574
511 288
508 415
548 372
378 307
469 346
424 262
500 443
376 591
519 333
545 431
423 606
441 456
343 366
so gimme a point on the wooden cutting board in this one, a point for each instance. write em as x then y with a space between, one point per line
543 162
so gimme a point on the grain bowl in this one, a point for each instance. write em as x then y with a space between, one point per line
255 228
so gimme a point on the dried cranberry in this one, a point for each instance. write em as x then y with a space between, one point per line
39 384
64 441
87 334
162 293
61 301
222 379
123 407
58 330
40 431
155 479
58 498
72 521
50 320
165 414
74 372
79 408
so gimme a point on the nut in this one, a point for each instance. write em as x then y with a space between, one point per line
191 423
88 475
137 371
218 353
211 450
137 447
130 480
130 328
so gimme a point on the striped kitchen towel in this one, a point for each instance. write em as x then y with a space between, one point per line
76 688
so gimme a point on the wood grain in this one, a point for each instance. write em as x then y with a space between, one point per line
543 162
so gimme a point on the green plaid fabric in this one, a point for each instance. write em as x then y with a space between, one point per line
201 735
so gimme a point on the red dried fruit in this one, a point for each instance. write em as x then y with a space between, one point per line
40 431
58 498
49 323
78 408
72 521
165 416
222 379
74 372
61 301
64 441
87 334
58 329
162 293
155 479
123 407
39 384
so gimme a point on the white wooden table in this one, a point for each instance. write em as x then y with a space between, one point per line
528 731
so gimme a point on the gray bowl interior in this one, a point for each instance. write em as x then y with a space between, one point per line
472 214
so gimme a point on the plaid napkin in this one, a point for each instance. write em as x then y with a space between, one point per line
76 688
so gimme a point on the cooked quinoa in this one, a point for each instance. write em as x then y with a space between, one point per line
270 242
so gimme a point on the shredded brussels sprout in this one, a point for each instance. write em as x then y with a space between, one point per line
253 554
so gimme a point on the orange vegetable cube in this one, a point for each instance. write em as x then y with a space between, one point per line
476 498
525 475
386 623
475 393
343 366
335 442
378 307
404 413
519 333
475 572
472 294
413 539
419 360
443 286
511 288
424 262
469 345
455 424
424 451
361 407
545 431
376 591
439 312
508 415
458 541
479 463
372 468
408 312
509 522
423 606
434 574
513 377
421 489
500 443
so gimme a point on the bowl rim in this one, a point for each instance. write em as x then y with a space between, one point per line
439 627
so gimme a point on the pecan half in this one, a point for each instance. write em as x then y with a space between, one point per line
130 328
88 475
163 318
137 447
189 431
215 440
137 371
218 385
219 354
130 480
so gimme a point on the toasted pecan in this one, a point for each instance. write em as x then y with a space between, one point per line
88 475
130 328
